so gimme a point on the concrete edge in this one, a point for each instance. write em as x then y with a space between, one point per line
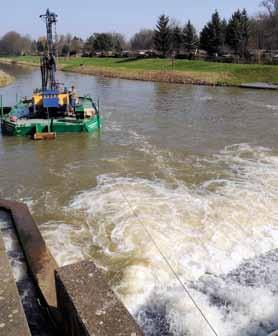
40 261
89 306
64 291
12 317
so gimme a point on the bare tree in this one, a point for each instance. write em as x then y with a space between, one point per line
269 23
143 40
76 46
13 43
119 42
26 45
271 6
61 41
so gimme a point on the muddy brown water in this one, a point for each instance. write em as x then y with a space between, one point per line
197 166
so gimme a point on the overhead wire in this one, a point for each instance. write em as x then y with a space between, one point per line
186 290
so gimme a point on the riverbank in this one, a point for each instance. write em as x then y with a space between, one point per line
5 79
163 70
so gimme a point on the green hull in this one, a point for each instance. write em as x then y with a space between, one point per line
30 127
20 121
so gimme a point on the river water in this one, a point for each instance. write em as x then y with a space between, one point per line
195 168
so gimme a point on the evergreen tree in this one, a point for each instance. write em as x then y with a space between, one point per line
190 37
224 25
162 35
118 46
211 37
246 32
103 42
89 46
237 36
41 45
66 50
176 39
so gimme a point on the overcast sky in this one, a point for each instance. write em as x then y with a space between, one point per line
83 17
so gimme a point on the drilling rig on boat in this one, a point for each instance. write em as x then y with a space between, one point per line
53 108
48 61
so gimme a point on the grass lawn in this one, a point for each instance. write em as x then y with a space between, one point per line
211 72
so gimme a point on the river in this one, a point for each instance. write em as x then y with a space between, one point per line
190 171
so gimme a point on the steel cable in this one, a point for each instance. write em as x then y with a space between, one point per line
186 290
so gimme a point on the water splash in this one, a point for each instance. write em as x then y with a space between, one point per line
206 232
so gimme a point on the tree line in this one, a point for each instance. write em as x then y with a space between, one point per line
12 43
237 35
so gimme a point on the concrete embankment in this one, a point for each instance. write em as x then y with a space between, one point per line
12 318
5 79
23 283
88 305
76 298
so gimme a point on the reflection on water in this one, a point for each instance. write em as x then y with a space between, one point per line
199 165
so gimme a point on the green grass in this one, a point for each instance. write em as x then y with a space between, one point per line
231 74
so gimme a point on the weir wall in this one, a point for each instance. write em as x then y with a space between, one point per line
76 297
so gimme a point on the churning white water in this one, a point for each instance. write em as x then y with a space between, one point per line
162 159
214 234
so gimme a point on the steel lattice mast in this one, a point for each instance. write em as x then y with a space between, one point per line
48 61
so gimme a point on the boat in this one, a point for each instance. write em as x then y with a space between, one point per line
53 108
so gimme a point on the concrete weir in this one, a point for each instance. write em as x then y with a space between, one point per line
88 305
74 300
12 319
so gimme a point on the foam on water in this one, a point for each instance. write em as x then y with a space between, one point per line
207 232
61 238
206 98
272 107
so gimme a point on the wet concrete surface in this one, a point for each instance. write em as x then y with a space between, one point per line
89 306
12 319
41 263
21 285
84 303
